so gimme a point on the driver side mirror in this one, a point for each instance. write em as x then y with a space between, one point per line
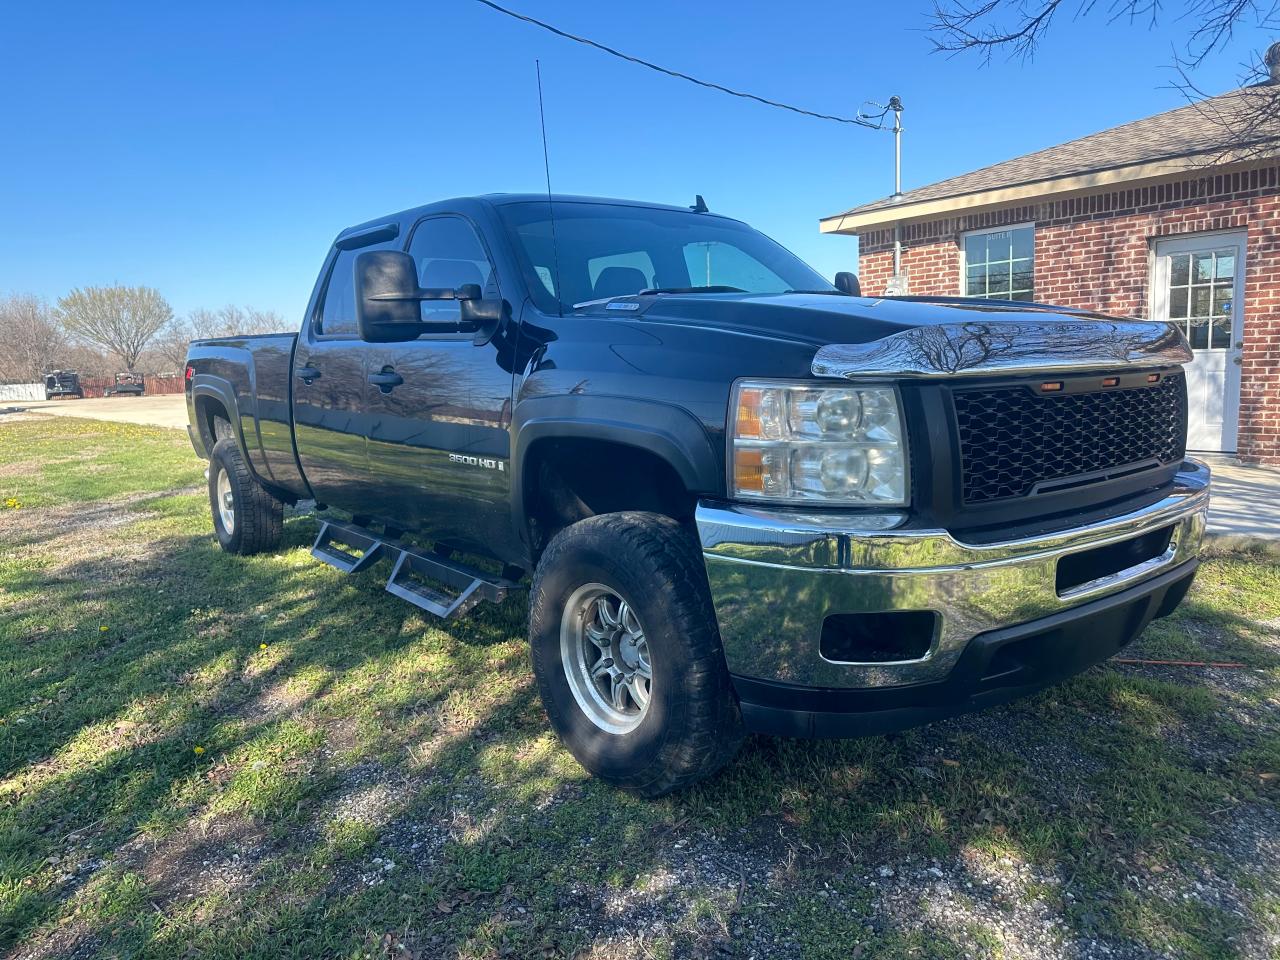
847 283
388 299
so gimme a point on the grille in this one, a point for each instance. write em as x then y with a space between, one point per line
1012 439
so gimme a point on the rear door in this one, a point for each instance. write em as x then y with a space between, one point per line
439 446
330 416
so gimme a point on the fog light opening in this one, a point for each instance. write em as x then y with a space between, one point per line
878 637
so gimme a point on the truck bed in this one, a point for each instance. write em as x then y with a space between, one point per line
249 378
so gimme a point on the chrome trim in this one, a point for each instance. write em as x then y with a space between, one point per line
776 575
1007 347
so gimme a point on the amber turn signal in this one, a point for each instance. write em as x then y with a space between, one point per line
747 424
748 469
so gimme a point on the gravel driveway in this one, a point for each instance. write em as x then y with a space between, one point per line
164 410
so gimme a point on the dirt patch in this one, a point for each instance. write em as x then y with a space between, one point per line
20 468
222 855
10 414
74 530
23 527
77 940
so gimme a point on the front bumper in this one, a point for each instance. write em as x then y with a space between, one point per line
776 576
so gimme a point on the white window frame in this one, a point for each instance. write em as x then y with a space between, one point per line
963 282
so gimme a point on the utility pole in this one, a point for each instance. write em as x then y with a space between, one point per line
895 105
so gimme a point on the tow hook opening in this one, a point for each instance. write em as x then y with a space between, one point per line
1077 569
888 637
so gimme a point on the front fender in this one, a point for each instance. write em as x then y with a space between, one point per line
664 429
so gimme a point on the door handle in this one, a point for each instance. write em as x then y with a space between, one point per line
386 381
306 374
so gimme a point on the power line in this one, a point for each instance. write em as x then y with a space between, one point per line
860 120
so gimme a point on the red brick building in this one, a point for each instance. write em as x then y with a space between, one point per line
1171 218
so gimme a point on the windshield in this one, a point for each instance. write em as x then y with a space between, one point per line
609 250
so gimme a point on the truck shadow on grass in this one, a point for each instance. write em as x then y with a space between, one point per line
370 782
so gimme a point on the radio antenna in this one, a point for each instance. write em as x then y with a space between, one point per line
551 209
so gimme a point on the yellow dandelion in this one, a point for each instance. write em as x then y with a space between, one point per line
198 750
102 628
262 646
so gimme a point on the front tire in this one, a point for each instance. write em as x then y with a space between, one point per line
246 518
627 654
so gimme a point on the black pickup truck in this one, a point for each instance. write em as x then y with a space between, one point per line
749 500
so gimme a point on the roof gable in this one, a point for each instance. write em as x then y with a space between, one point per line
1227 128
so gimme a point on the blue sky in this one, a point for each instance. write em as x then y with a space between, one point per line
213 150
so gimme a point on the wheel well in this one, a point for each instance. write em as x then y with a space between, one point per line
209 411
571 479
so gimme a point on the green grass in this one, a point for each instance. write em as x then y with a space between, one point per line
205 755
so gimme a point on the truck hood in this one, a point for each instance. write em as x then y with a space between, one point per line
817 319
902 337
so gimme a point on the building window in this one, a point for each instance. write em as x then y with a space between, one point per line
999 264
1201 287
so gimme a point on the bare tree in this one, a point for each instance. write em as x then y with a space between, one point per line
30 342
122 320
1248 121
233 321
228 321
1016 27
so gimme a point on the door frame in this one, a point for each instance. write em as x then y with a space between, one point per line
1158 277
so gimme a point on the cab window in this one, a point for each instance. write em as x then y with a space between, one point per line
337 316
449 253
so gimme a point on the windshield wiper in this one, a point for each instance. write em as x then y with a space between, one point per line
652 290
715 288
829 293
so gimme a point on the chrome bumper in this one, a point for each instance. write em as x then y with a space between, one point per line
775 576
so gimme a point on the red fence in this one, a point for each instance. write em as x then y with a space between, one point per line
165 383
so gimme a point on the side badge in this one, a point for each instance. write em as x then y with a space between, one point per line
623 305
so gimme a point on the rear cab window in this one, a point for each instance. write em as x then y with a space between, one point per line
337 314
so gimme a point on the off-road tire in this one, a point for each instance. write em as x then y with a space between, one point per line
259 517
692 726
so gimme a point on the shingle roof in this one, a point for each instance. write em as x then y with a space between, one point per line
1222 128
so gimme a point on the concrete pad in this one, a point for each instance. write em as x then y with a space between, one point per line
1245 508
159 410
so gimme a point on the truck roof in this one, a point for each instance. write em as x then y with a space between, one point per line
502 199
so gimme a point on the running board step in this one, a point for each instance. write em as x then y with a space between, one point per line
415 577
345 534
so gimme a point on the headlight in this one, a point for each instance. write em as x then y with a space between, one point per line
818 444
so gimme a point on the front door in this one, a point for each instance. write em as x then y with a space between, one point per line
439 446
1198 283
330 415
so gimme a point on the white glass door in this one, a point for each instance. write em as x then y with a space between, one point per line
1198 283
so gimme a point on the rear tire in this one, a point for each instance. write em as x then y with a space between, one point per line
246 518
627 653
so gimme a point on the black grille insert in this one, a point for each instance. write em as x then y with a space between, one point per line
1015 441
